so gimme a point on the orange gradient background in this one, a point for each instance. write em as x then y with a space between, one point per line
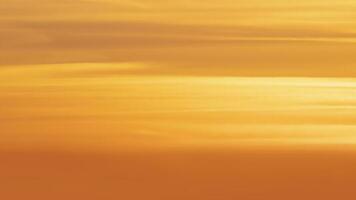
153 99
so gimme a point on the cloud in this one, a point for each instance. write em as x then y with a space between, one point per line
62 104
245 38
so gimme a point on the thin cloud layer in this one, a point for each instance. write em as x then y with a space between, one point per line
253 38
75 105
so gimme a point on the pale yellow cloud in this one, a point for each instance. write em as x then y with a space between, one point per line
73 106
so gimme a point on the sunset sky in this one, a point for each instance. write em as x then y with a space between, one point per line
188 99
225 37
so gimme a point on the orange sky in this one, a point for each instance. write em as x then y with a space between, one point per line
74 105
157 99
228 37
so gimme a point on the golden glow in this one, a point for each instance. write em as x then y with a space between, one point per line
72 102
177 99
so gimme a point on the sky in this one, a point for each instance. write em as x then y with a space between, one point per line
155 99
229 37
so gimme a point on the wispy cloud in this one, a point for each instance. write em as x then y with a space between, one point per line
72 101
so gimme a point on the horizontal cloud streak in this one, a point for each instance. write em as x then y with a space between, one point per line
245 38
134 108
183 49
